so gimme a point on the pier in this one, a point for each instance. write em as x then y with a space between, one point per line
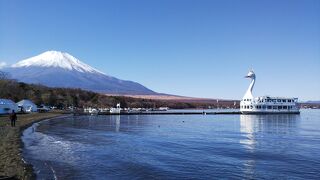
161 113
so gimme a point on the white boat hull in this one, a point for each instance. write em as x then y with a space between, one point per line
270 112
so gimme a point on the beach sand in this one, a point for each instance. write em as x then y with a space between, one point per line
11 162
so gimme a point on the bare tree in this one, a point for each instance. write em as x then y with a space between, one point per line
3 75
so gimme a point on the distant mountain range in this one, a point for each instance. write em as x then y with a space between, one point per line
58 69
312 102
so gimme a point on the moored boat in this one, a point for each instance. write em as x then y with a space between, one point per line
266 104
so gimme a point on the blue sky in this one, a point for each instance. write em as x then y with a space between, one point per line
186 47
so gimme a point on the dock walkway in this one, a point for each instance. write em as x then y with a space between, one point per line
164 113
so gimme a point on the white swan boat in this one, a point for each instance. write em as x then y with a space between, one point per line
116 110
266 104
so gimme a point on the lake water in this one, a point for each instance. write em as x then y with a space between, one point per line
176 147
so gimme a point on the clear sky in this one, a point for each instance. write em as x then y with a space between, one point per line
194 48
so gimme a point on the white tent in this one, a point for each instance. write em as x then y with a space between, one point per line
7 105
27 106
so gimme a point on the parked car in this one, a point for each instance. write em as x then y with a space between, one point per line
43 108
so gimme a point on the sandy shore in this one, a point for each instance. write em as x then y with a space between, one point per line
11 163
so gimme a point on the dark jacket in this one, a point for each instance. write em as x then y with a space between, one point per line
13 116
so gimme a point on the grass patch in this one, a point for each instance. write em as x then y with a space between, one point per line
11 164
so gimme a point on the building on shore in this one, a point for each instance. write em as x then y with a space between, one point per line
27 106
7 105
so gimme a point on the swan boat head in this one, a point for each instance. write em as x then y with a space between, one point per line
251 75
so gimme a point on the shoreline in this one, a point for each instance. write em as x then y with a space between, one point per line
12 164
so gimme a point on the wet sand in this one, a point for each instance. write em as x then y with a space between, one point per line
11 162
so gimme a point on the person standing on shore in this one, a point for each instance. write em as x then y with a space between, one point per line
13 118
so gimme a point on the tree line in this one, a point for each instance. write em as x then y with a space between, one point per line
66 97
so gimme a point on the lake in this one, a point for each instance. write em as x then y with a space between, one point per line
176 147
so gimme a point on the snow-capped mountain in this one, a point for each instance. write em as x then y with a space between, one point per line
59 69
56 59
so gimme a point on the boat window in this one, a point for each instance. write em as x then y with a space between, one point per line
274 107
251 107
289 100
285 107
283 100
278 100
269 107
279 107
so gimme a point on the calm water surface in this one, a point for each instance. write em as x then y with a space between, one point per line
176 147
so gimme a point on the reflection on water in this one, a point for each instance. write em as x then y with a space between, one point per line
252 126
117 123
273 123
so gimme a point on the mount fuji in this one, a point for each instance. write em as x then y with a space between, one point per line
59 69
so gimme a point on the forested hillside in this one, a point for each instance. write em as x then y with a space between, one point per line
65 97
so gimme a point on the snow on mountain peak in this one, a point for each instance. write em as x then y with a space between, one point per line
56 59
